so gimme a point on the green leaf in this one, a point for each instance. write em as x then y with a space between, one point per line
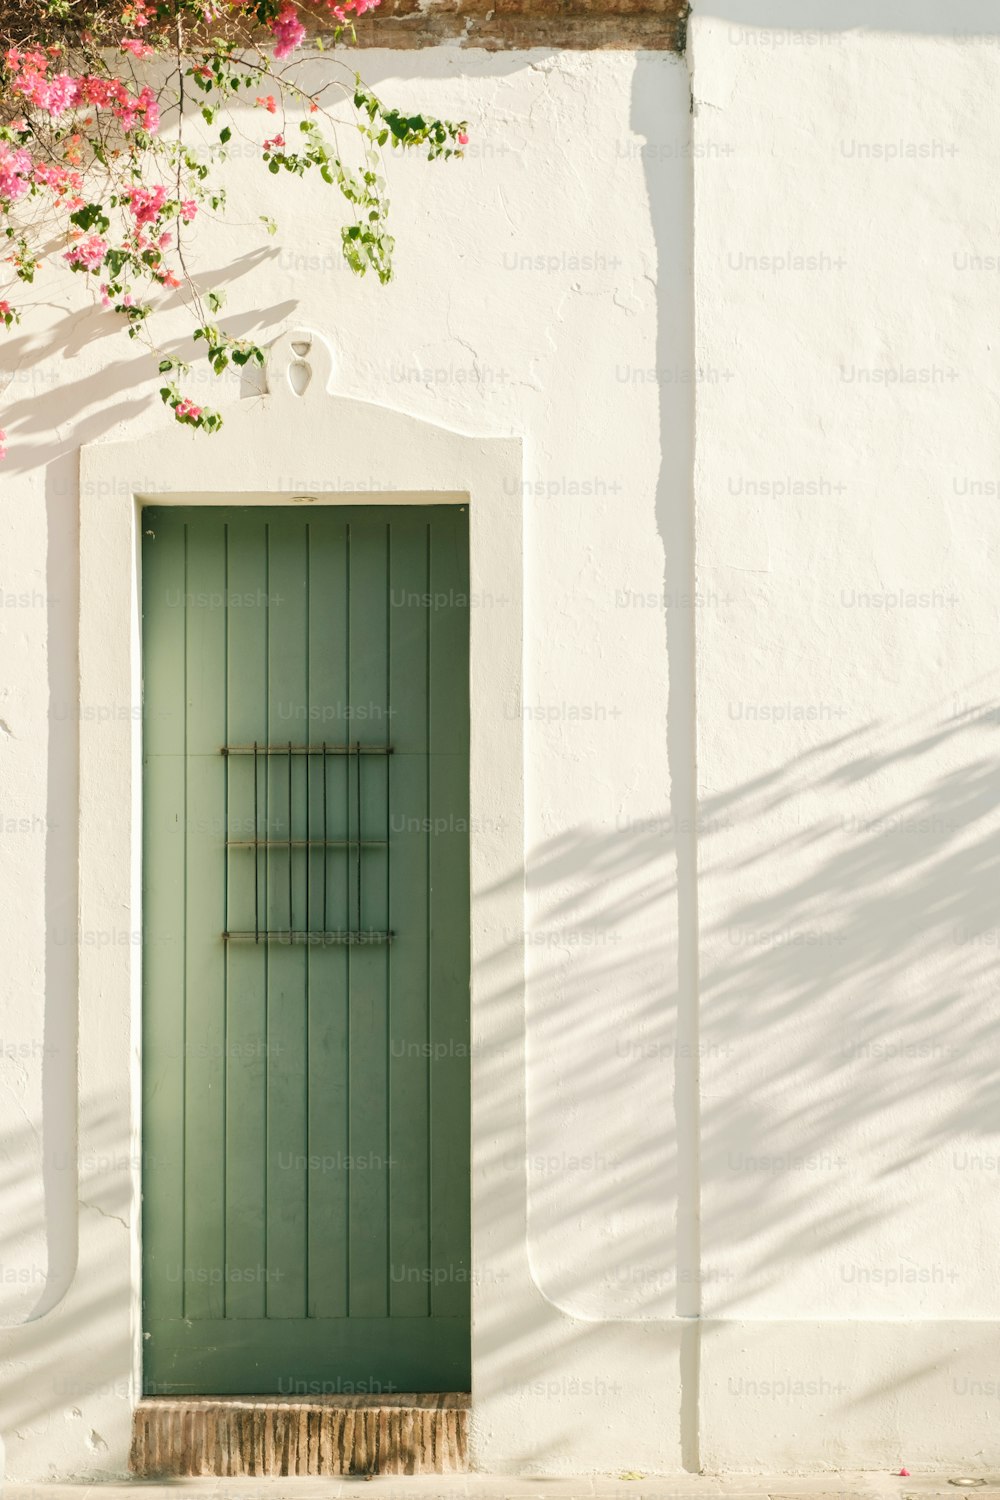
92 216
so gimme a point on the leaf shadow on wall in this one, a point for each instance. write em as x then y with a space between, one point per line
847 1055
41 402
44 406
84 1348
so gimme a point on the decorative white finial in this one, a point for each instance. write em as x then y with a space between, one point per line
299 365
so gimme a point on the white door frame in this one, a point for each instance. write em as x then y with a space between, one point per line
355 453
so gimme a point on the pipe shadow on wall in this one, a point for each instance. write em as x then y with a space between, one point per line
670 189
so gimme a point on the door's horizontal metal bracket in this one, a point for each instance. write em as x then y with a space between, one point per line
360 939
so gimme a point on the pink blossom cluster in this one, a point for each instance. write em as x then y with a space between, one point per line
136 14
32 79
59 179
288 28
359 7
288 31
15 172
53 142
87 254
146 203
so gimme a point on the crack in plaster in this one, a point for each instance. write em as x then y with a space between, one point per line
117 1218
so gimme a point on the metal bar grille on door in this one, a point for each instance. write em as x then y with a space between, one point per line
291 902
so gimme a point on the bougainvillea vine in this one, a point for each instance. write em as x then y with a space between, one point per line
117 122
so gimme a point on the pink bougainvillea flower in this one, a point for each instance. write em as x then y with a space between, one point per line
137 48
275 143
53 95
88 254
3 445
463 139
288 31
188 210
268 102
146 203
53 176
187 411
136 14
16 167
341 8
150 111
144 110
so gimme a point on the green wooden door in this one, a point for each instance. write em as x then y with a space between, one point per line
306 950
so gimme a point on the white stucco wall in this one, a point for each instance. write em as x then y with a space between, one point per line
540 287
845 160
826 1197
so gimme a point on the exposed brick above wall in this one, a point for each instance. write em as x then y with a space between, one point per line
506 25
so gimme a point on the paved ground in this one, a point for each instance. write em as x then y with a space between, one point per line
481 1487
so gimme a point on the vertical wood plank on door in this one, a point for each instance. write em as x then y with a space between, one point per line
449 898
205 1068
369 1146
287 1104
329 1178
246 1140
409 842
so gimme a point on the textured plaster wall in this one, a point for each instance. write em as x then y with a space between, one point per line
543 291
826 1197
846 240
